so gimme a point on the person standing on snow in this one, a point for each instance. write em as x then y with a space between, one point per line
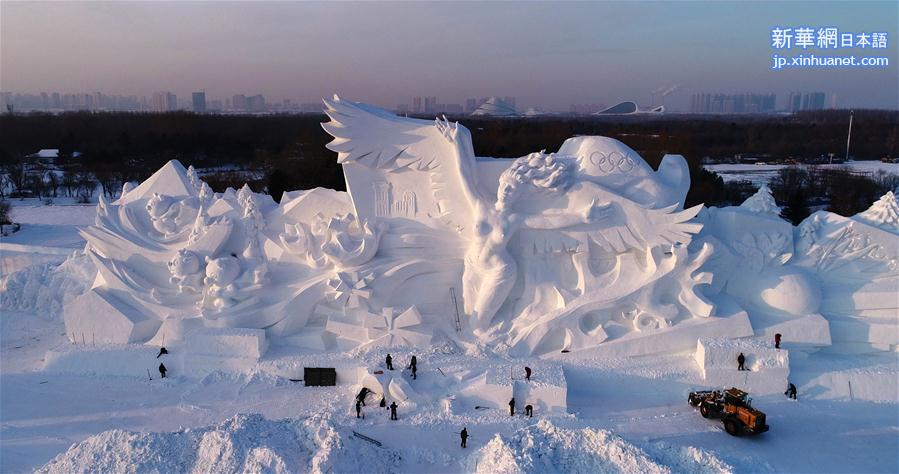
529 410
777 341
414 372
413 363
741 359
393 410
162 370
358 409
527 374
389 361
791 392
464 435
512 407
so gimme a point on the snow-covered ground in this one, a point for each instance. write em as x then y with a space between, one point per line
761 174
623 415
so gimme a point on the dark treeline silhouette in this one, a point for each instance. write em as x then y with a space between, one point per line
285 152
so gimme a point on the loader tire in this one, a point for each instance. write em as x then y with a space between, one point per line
705 410
732 427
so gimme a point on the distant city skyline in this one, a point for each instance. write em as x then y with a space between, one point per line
547 56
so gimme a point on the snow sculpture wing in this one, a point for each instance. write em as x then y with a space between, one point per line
619 224
377 139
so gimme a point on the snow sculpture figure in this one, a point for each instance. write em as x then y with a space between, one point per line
588 248
490 271
537 192
186 271
348 242
221 275
343 241
168 215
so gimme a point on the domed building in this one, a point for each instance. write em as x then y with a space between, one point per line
629 108
495 107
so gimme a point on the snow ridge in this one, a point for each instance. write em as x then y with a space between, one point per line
545 448
46 288
243 443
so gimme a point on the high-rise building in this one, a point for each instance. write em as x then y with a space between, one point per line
732 103
416 105
162 101
814 101
239 102
430 105
199 102
256 103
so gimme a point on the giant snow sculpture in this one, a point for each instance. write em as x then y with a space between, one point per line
584 249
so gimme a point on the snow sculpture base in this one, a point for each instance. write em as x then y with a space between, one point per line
768 368
493 388
99 316
230 349
731 321
124 360
805 332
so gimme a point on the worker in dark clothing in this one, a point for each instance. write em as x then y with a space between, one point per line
741 359
791 392
162 351
777 341
464 435
393 410
383 403
527 374
413 363
358 408
529 410
162 370
389 362
414 372
512 407
362 394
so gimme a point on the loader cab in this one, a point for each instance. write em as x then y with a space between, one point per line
737 398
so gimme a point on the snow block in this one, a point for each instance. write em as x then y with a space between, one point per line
128 360
228 342
812 330
547 390
851 330
873 385
768 368
101 316
225 349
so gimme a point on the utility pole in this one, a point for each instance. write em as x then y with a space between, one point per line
849 135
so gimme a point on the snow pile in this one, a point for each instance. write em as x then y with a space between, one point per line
46 288
243 443
691 459
546 448
762 202
884 213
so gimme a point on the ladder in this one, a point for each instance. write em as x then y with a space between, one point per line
366 438
457 322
